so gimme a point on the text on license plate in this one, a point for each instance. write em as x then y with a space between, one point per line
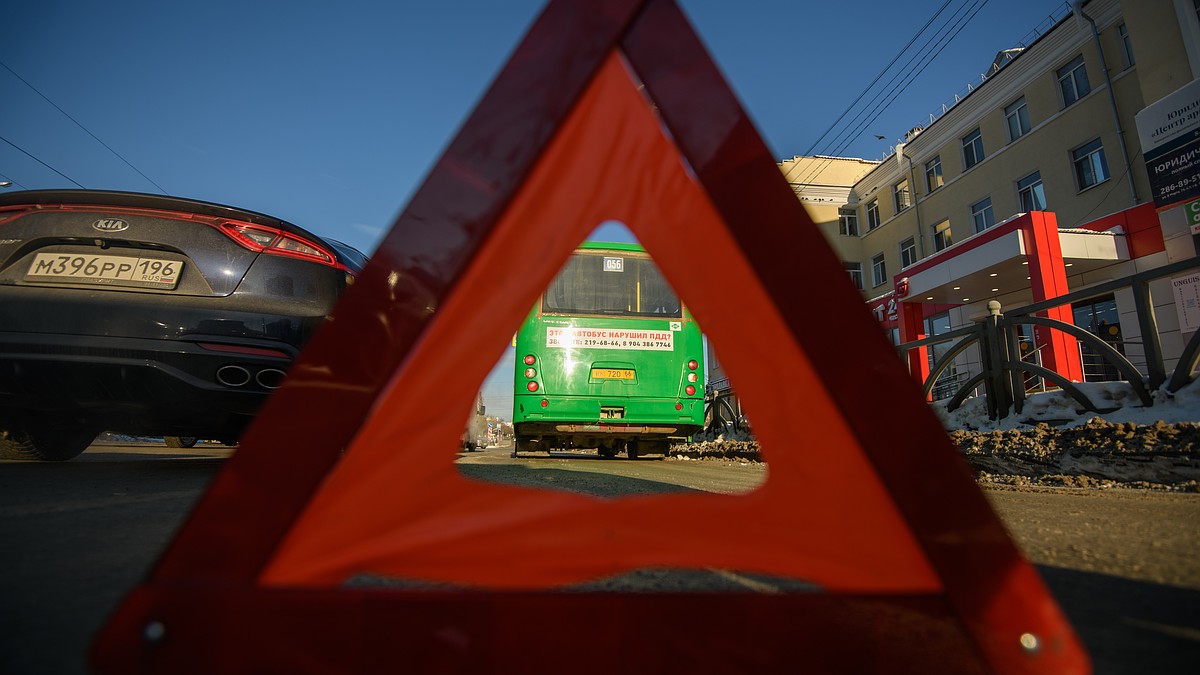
613 374
115 270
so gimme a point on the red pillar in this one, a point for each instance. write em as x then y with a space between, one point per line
912 327
1048 279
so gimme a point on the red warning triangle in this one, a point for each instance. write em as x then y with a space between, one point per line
608 110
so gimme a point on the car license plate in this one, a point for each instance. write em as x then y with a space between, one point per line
613 374
112 270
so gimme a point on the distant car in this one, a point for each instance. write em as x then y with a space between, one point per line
149 315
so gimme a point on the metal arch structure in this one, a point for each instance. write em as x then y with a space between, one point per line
917 572
1002 364
1188 361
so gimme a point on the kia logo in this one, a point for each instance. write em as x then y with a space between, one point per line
111 225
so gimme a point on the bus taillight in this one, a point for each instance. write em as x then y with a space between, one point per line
529 360
530 373
532 386
690 390
692 365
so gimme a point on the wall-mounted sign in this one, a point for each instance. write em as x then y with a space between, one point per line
1169 131
1187 301
1192 211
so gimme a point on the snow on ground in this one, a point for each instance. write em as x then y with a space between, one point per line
1059 409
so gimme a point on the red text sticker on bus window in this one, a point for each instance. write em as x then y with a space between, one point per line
610 338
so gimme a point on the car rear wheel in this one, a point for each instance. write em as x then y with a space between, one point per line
180 441
45 443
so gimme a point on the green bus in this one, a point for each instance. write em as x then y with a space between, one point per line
608 359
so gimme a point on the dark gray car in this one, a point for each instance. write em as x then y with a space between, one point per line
149 315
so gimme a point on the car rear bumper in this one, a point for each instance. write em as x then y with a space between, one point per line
140 385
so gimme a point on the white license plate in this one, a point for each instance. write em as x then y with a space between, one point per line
113 270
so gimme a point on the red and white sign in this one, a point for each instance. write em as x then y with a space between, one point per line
610 338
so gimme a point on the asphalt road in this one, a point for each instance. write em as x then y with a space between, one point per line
78 535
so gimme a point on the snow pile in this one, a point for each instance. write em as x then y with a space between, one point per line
1052 442
1058 409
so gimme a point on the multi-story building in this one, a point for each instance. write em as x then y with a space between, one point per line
1037 176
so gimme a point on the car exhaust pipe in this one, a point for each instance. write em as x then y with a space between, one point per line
270 378
233 376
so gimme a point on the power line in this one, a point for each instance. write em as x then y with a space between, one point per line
6 178
41 162
851 131
943 42
885 69
89 133
941 38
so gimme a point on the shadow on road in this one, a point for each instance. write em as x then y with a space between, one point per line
1129 626
608 486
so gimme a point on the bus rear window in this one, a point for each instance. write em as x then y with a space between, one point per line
611 283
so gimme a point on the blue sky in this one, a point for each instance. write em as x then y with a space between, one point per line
330 114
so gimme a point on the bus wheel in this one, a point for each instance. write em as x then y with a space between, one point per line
631 449
606 451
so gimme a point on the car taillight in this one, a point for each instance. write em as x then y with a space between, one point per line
273 241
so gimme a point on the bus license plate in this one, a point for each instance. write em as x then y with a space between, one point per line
110 270
613 374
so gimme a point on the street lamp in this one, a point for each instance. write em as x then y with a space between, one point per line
5 183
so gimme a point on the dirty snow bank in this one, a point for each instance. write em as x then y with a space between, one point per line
1053 443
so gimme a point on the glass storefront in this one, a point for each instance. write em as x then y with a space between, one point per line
1099 317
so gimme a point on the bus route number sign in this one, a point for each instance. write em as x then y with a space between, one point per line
614 264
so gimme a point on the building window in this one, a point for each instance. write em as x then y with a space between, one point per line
878 271
848 222
981 214
1073 81
1090 166
872 214
908 252
1017 117
1031 193
933 174
941 236
854 269
1127 45
901 196
972 149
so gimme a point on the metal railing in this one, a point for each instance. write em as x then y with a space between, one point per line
1005 373
722 409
